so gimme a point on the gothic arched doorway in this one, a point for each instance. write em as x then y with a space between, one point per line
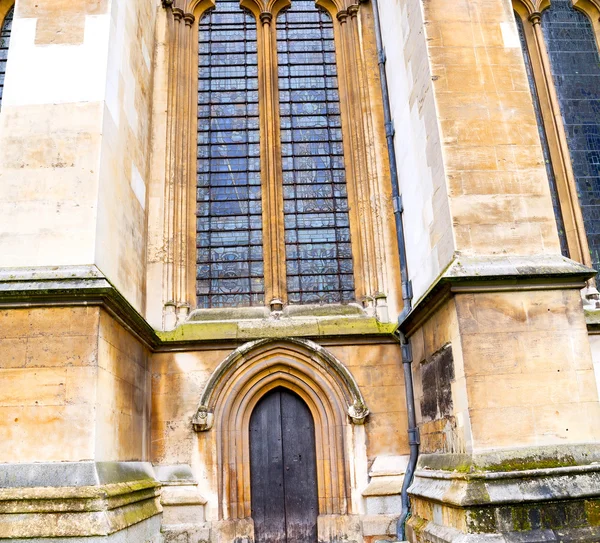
283 469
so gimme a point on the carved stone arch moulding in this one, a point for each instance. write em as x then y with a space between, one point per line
243 378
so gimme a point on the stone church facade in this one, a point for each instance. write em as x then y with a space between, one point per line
295 271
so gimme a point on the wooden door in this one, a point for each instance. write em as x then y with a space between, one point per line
283 470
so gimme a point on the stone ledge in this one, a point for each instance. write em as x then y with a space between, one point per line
429 532
532 474
73 474
86 286
517 459
147 531
303 327
45 508
466 274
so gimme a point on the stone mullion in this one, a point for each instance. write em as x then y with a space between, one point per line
190 227
271 169
174 18
372 173
179 169
353 177
567 188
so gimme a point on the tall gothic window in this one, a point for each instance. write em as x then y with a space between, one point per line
317 231
4 42
231 185
575 66
229 211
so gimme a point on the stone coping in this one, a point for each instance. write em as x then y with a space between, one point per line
529 474
468 274
76 499
87 286
515 459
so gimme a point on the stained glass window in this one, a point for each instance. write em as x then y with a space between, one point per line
575 65
317 231
4 41
544 139
229 212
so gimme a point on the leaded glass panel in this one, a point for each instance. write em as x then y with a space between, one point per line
229 210
317 231
543 139
4 41
575 64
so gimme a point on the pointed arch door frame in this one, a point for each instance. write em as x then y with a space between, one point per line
239 383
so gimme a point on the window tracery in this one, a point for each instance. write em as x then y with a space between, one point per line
317 230
354 260
229 211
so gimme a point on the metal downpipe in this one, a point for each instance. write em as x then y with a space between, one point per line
413 431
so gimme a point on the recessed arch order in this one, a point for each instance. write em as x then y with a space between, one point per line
243 378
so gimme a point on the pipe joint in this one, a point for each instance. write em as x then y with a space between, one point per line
398 205
389 129
414 436
407 290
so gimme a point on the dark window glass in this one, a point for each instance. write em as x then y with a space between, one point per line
575 66
317 232
229 211
544 140
4 41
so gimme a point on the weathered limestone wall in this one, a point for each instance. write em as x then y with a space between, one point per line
440 389
528 367
429 237
471 170
518 359
497 183
74 138
123 406
595 346
50 130
125 153
73 387
157 237
48 372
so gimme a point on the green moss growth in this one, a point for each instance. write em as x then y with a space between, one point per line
481 520
520 519
592 512
532 462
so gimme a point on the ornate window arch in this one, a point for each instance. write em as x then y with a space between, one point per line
556 128
370 207
234 389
